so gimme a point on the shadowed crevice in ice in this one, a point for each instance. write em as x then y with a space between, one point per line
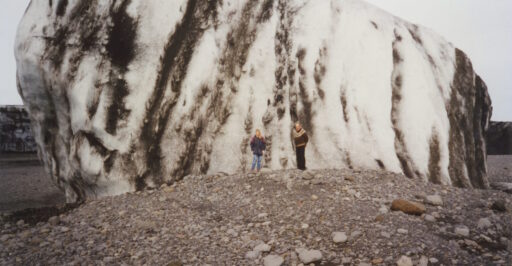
61 7
305 115
434 159
320 70
121 40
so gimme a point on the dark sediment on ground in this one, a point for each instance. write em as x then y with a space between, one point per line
499 138
25 184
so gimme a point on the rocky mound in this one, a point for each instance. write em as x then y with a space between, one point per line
326 217
124 95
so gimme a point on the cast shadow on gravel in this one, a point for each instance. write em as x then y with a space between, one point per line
32 216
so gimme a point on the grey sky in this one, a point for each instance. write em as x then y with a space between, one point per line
481 28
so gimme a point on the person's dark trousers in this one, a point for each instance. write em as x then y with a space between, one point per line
301 161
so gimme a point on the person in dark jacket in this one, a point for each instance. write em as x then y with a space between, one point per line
300 139
258 146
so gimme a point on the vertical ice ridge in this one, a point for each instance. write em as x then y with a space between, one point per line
396 85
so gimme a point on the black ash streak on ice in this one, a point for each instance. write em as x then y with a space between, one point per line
121 51
175 61
176 57
396 97
434 173
145 161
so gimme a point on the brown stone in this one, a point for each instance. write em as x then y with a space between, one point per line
408 207
379 218
377 261
349 178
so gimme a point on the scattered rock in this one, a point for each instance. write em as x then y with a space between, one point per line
433 260
404 261
252 255
273 260
385 234
402 231
309 256
499 206
54 220
423 261
175 263
483 223
349 178
377 261
4 238
307 175
262 248
462 230
262 215
435 200
408 207
232 232
355 234
472 244
339 237
380 218
429 218
346 260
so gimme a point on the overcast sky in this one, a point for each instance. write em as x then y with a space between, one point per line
481 28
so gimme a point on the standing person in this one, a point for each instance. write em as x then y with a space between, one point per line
300 138
258 146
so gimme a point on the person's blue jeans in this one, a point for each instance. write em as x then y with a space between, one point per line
256 162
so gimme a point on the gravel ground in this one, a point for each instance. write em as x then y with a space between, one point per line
329 217
25 184
499 168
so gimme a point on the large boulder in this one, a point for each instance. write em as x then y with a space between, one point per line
128 94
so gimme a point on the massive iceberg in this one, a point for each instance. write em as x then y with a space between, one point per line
129 94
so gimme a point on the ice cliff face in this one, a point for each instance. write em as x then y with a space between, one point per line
15 134
499 138
130 93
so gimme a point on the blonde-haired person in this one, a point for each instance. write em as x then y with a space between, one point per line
300 139
258 146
